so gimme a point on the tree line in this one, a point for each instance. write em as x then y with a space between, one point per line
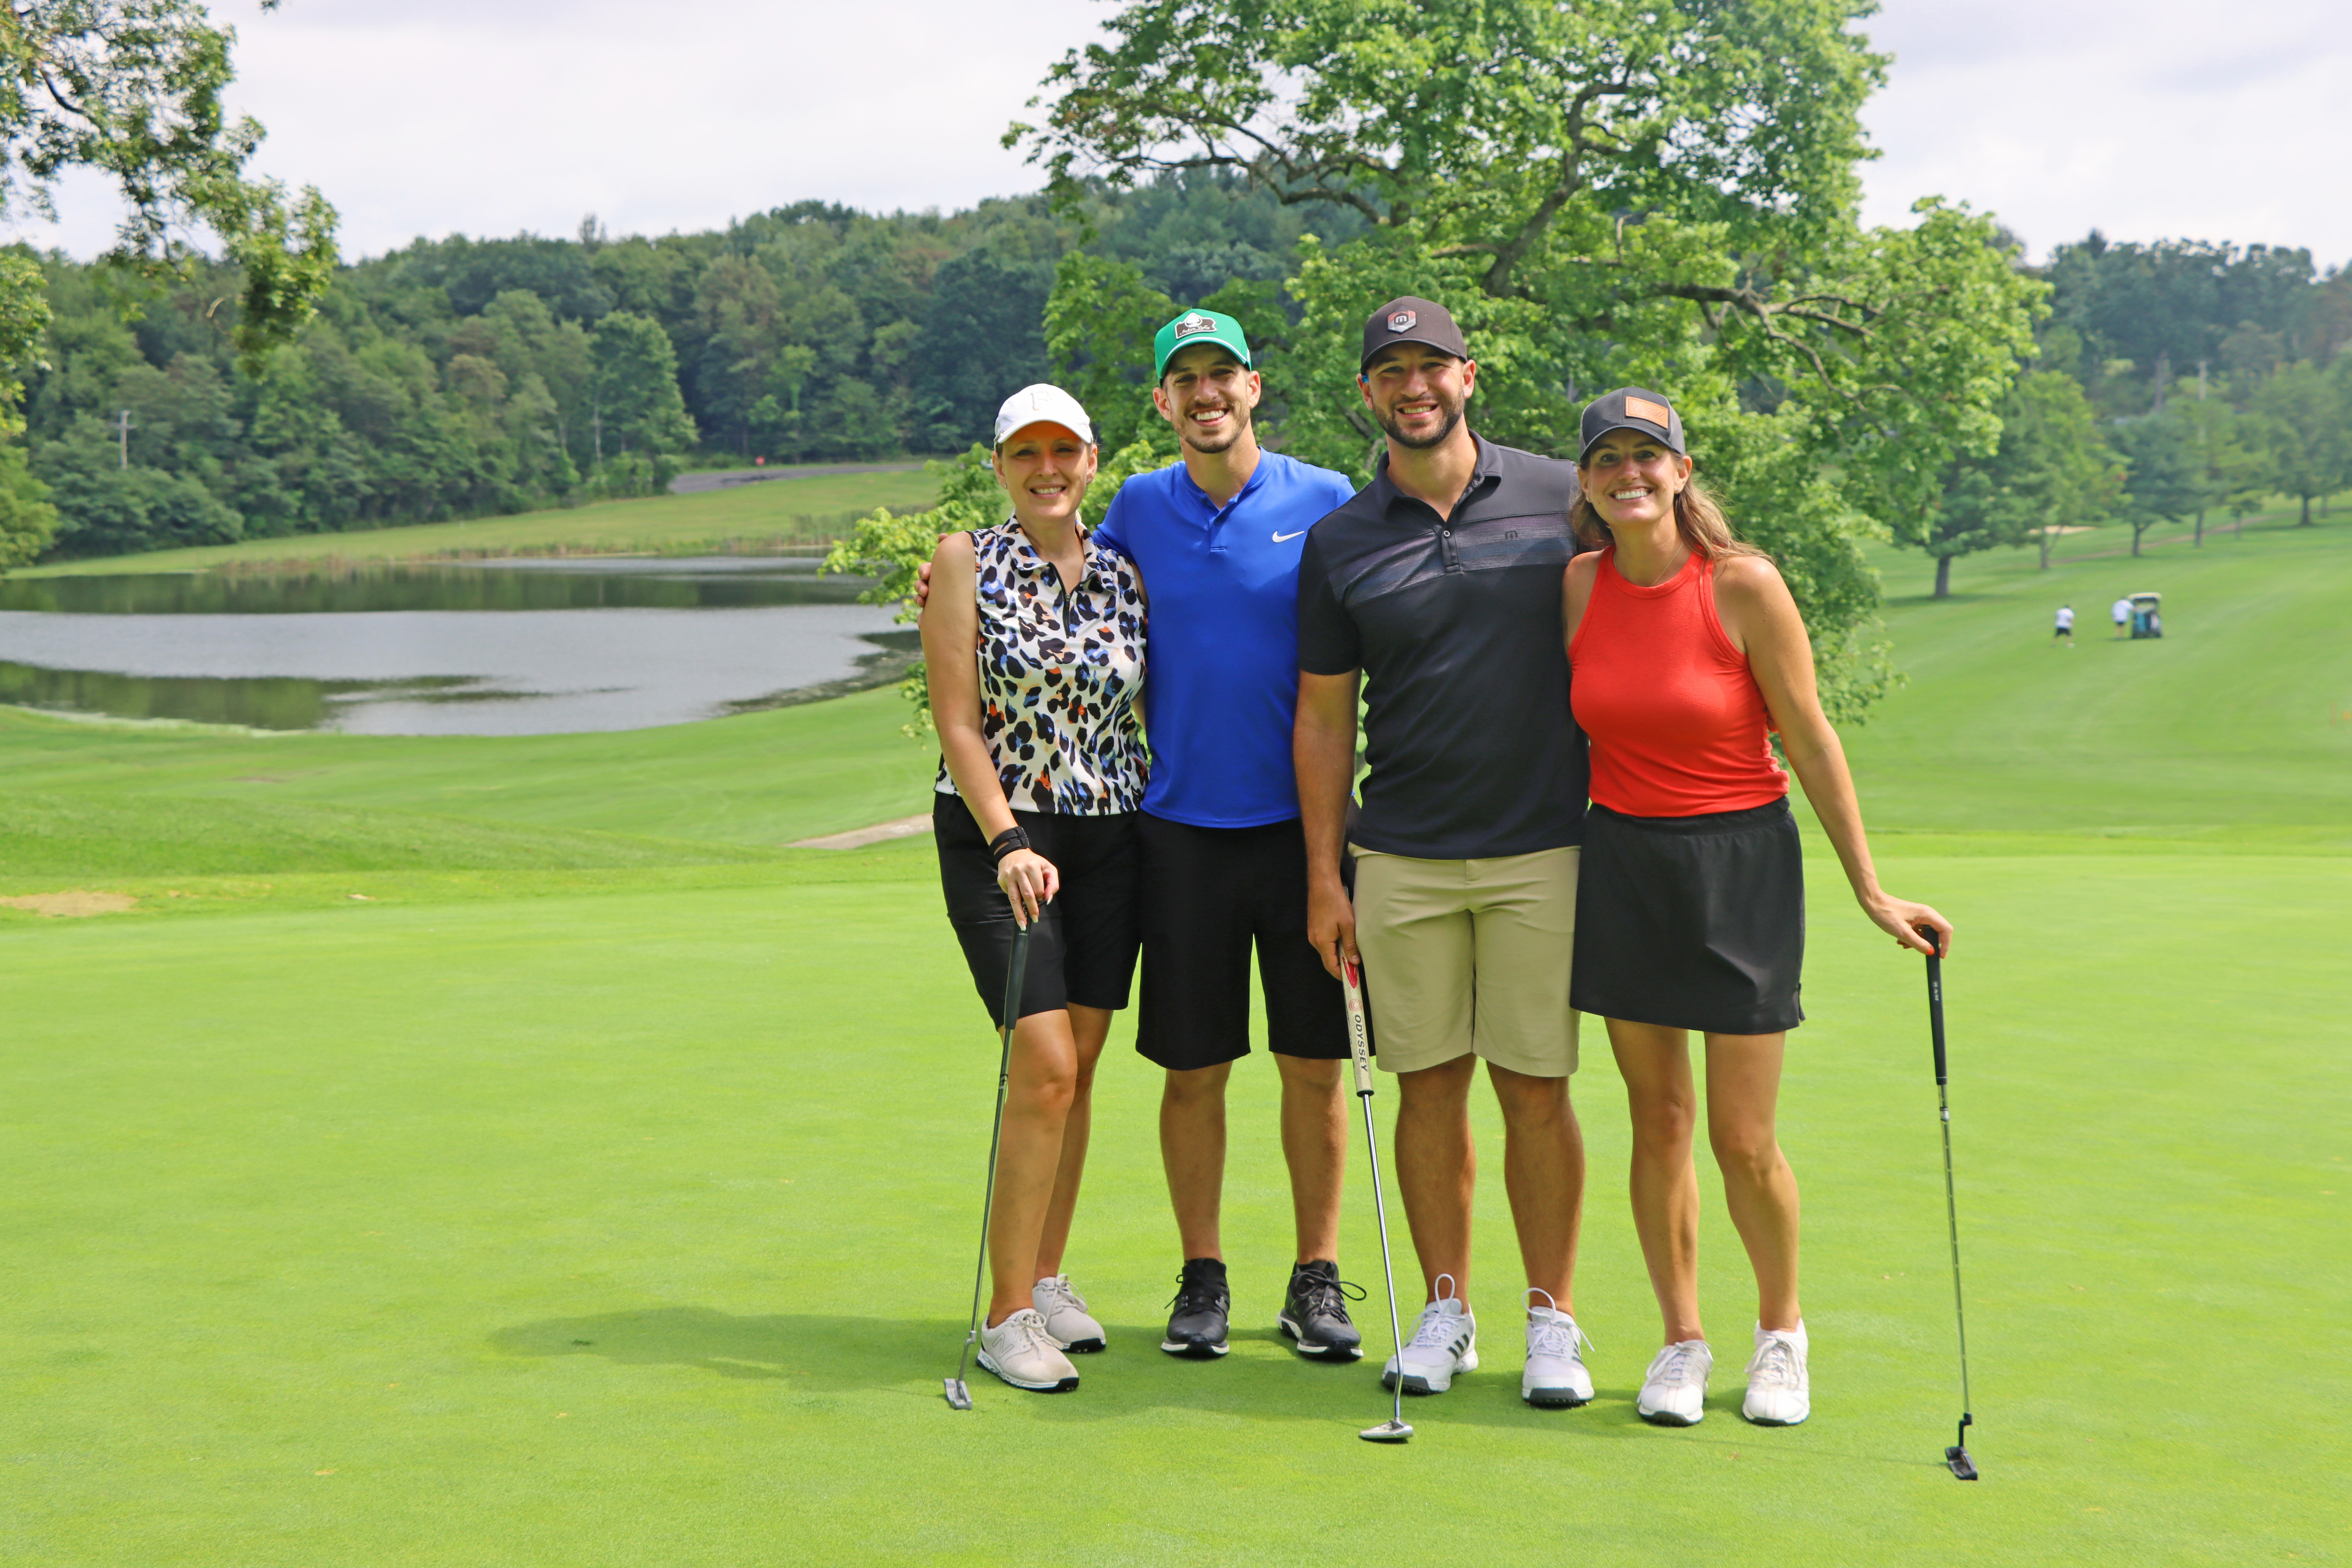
2171 381
462 378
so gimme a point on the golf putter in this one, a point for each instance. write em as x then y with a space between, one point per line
1359 1047
959 1397
1956 1458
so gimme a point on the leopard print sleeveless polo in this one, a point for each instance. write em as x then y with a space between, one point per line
1059 671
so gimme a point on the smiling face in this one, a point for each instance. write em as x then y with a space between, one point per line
1631 479
1045 468
1207 394
1417 393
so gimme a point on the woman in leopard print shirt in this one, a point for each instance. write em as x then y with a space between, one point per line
1032 637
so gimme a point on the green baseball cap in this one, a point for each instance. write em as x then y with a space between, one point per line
1197 327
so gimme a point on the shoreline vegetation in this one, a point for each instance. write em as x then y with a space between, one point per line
803 516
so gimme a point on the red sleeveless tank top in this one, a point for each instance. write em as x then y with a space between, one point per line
1676 721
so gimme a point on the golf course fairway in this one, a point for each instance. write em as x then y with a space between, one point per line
511 1151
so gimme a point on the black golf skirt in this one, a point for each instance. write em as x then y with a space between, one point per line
1082 949
1692 922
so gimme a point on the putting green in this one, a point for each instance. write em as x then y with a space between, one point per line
600 1185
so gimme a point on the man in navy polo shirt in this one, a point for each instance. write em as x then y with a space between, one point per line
1219 536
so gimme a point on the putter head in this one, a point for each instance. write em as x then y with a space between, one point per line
1961 1464
959 1397
1387 1432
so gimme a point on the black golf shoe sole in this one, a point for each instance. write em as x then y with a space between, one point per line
1553 1399
1316 1351
1195 1350
1082 1347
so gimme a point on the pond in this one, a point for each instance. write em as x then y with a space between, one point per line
501 648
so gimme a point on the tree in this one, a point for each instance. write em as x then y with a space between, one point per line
2165 477
983 340
2300 429
2231 476
1100 323
638 408
1601 194
2049 472
27 520
133 89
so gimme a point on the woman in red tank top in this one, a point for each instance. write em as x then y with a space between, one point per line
1687 652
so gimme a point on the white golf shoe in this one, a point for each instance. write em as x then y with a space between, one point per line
1674 1391
1065 1311
1024 1355
1556 1374
1779 1388
1444 1341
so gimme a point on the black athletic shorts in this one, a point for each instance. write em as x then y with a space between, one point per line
1082 948
1208 894
1694 923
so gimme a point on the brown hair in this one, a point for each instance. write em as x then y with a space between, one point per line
1698 518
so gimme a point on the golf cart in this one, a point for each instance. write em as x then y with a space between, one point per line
2146 616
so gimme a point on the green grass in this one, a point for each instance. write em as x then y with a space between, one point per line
599 1186
819 507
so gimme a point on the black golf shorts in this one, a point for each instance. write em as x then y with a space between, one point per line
1082 949
1692 922
1209 895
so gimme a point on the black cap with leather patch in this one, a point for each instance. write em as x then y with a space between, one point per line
1631 408
1412 319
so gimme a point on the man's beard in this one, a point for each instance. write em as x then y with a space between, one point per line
1453 412
1236 422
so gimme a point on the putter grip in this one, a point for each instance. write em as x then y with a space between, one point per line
1935 1013
1359 1044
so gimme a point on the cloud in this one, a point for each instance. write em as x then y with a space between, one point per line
490 117
2161 123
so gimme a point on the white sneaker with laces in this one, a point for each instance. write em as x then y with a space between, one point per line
1444 1341
1024 1355
1065 1311
1674 1391
1779 1388
1556 1374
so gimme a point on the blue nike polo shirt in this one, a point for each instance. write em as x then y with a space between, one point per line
1221 670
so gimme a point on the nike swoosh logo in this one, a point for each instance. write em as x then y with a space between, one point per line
1286 538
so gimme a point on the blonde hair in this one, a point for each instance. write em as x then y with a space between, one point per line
1698 518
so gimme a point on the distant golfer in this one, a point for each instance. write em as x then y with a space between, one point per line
1437 587
2121 611
1033 642
1688 650
1219 536
2065 631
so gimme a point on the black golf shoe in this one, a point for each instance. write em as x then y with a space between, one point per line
1196 1327
1314 1312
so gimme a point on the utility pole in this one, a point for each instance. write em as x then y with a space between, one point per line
122 435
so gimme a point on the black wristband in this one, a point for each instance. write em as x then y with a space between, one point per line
1013 837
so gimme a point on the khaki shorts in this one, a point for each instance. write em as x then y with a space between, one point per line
1466 957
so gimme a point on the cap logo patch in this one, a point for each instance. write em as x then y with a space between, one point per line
1657 414
1192 325
1403 321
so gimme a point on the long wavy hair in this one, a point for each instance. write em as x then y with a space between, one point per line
1698 518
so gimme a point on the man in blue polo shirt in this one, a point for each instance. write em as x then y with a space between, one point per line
1219 536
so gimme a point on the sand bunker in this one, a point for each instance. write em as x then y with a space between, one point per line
74 903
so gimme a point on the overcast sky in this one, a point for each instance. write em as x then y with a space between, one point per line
490 117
